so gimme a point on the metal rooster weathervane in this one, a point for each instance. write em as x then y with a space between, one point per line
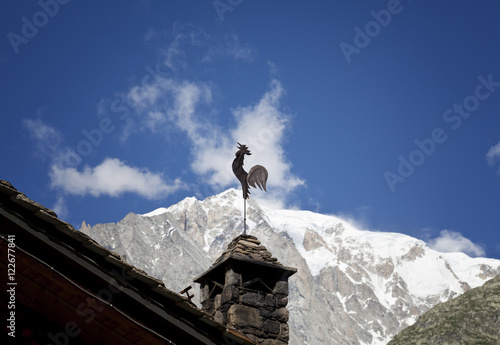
256 177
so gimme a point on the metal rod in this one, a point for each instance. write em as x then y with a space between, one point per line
245 216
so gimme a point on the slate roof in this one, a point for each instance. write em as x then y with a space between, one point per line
18 209
247 248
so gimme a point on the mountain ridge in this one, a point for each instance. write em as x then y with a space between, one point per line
472 318
362 287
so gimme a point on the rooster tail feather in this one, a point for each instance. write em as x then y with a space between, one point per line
258 176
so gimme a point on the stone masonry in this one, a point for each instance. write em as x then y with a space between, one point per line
247 290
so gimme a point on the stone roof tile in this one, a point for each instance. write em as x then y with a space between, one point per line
248 246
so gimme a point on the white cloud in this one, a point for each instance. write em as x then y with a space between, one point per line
187 96
172 100
190 43
359 217
451 241
260 126
60 207
167 104
47 138
493 154
174 53
145 96
113 178
230 47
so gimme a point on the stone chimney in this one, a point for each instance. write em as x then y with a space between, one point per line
246 289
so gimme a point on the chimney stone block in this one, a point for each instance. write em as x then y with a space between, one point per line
273 327
270 302
285 331
232 278
241 316
253 299
281 287
219 317
281 301
217 302
230 293
281 314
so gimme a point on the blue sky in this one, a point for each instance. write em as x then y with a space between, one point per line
383 112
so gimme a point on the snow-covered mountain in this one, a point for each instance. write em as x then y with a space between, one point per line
352 286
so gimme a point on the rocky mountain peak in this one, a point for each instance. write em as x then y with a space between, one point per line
361 287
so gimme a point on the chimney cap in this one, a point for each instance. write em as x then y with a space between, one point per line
246 248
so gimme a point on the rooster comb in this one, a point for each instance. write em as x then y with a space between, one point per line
242 147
